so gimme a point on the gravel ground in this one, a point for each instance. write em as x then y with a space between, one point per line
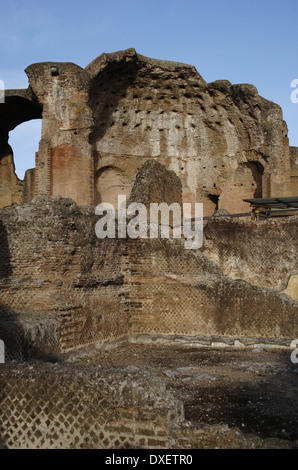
248 396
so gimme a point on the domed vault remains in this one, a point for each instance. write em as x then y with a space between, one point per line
100 124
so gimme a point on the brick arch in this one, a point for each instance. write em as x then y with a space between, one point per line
18 107
129 166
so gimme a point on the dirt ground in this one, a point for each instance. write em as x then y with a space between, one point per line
247 396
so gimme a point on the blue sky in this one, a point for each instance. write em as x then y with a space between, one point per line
242 41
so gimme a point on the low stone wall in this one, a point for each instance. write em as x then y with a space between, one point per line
139 397
56 406
178 292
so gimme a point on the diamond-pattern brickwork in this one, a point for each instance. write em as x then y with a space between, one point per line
51 406
177 292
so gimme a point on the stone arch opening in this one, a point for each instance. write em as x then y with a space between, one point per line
110 182
20 106
24 140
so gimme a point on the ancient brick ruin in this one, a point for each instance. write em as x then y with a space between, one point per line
101 123
62 288
153 131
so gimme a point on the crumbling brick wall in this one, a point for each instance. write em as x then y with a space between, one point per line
176 292
264 253
61 288
58 278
